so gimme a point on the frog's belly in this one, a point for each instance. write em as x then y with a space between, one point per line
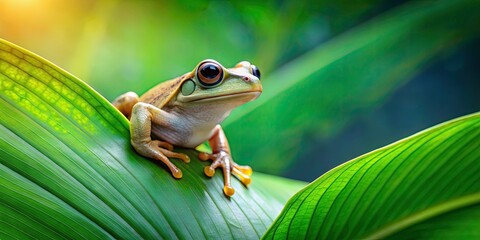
182 135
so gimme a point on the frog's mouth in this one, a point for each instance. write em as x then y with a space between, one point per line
248 96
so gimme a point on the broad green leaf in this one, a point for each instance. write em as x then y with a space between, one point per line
320 92
424 186
67 170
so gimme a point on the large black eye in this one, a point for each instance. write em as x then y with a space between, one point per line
255 71
209 74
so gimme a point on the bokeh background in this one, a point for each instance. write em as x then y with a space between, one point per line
341 78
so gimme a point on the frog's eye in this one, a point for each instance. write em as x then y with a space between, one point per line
255 71
209 74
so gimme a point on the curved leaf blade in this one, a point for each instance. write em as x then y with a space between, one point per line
67 169
409 188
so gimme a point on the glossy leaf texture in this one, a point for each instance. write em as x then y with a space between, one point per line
319 93
424 186
67 170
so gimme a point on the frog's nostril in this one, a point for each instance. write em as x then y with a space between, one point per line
246 79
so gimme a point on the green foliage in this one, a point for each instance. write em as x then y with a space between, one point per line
319 93
68 170
424 186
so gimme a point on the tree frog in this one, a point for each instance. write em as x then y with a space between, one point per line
187 111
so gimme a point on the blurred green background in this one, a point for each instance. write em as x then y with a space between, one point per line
341 78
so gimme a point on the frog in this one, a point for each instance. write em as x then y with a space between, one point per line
187 111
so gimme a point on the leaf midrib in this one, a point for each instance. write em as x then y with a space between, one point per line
426 214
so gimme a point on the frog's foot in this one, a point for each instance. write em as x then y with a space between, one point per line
160 150
224 160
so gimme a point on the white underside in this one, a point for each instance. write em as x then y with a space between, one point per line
189 125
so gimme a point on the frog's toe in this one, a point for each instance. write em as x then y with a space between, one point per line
177 173
247 170
205 156
170 154
228 190
164 144
242 176
209 171
218 161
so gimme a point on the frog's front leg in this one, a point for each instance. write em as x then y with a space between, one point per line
222 158
143 116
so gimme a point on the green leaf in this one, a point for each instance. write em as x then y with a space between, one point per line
424 186
67 169
319 93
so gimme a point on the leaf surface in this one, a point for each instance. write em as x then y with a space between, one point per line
424 186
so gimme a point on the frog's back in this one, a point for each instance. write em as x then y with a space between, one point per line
161 94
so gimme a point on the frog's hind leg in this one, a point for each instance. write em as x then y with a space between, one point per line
125 102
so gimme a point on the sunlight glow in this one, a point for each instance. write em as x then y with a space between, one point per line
15 4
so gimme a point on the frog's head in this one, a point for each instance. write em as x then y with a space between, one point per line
211 82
